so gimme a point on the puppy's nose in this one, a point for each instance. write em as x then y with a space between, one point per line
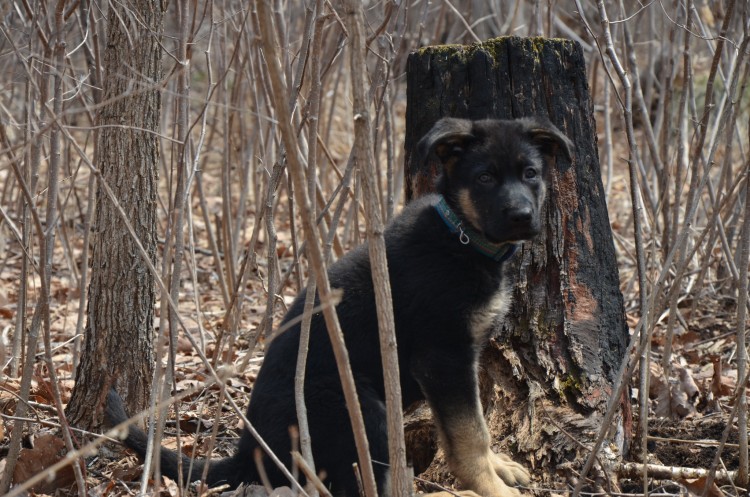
521 216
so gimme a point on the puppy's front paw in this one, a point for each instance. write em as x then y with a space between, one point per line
510 471
495 487
491 481
460 493
489 474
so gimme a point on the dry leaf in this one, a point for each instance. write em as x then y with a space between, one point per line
687 337
695 487
657 383
720 385
170 488
675 399
102 489
184 346
48 450
687 383
7 397
683 394
127 474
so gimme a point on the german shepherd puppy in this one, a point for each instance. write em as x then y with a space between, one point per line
445 253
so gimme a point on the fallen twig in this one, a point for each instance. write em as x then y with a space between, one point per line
635 470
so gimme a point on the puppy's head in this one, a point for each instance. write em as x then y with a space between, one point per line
494 171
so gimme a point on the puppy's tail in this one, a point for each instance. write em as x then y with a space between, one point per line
221 471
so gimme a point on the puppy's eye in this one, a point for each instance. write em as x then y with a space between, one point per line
486 178
530 173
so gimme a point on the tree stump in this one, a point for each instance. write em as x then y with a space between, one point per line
549 371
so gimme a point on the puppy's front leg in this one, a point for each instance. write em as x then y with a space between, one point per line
453 395
465 439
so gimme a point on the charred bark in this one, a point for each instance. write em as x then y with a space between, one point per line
549 370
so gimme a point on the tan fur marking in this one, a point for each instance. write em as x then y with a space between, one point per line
466 443
460 493
482 319
468 209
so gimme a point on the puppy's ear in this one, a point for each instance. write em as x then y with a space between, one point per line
447 139
547 137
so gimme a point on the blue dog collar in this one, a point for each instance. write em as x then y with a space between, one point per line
497 252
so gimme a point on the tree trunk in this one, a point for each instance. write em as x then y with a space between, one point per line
118 342
556 354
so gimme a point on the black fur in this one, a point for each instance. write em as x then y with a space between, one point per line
441 293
